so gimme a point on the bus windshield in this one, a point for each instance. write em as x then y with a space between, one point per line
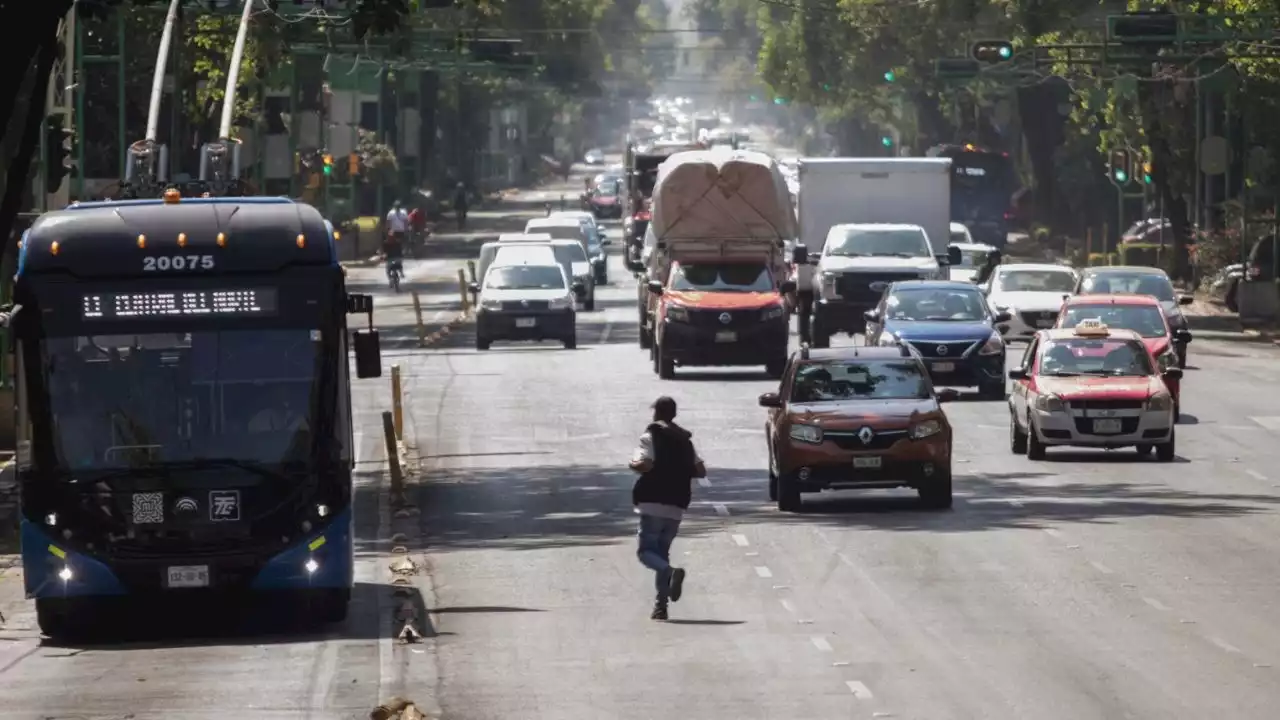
136 400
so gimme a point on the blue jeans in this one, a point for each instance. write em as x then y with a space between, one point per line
654 550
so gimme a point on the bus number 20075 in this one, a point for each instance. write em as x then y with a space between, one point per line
177 262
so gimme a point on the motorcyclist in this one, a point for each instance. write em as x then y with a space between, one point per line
393 252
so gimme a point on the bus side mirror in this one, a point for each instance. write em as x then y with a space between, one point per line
368 353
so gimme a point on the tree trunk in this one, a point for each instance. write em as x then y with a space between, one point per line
1042 128
428 99
19 170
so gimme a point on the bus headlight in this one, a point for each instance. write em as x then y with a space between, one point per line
322 510
51 519
312 566
65 574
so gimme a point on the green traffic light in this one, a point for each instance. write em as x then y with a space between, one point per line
826 86
1146 179
889 76
754 98
886 141
328 169
1122 176
1006 52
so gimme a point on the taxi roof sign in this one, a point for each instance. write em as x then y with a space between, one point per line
1092 327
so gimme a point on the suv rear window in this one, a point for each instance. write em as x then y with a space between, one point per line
836 380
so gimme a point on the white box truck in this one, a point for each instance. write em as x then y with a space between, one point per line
867 222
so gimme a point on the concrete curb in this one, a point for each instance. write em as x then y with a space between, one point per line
457 322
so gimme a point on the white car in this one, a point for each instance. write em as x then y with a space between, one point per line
1032 294
972 255
594 156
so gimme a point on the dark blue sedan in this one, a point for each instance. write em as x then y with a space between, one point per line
950 325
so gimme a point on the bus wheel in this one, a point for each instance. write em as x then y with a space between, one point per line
64 618
330 604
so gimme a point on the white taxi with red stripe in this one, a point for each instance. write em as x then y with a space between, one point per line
1091 386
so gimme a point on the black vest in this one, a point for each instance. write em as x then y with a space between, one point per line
670 480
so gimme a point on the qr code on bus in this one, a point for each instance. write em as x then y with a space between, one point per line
148 508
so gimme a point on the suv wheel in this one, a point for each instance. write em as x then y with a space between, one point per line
936 493
788 496
482 343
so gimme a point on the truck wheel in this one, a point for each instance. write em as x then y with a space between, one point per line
788 496
936 494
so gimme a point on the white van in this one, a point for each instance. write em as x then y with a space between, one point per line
568 254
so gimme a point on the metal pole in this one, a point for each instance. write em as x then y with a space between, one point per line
233 73
397 403
79 118
122 71
157 80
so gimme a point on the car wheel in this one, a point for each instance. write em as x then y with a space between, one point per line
937 493
1144 450
773 475
788 496
1167 451
1035 448
1017 438
571 342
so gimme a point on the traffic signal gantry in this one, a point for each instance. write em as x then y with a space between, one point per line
58 142
990 52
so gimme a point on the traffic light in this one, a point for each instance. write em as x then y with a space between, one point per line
992 51
353 164
1146 171
57 146
1121 166
328 164
886 141
779 101
890 76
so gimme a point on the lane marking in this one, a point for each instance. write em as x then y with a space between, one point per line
1225 645
721 509
820 643
704 482
1101 568
993 427
753 554
1015 503
763 571
859 690
1156 604
326 668
1255 474
788 605
1053 532
740 540
1269 422
781 587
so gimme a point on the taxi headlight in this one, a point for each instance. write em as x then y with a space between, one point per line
925 429
993 346
807 433
490 304
1050 403
888 339
773 312
561 303
1160 403
677 313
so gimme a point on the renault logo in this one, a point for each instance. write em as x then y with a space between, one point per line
866 435
943 350
726 318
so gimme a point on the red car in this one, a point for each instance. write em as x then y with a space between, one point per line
604 201
1140 313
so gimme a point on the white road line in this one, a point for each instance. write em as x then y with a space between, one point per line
703 482
1101 568
1255 474
753 554
721 509
1015 503
1270 422
1225 645
859 690
820 643
994 427
788 605
1156 604
740 540
325 668
1052 532
763 571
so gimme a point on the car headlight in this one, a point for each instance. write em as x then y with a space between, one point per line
561 303
807 433
993 346
888 339
1160 402
1050 403
490 304
829 284
773 312
925 429
677 313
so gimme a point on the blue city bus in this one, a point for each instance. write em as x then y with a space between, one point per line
184 405
982 186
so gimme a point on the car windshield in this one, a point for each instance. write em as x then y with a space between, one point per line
860 242
1036 281
837 380
722 277
1095 356
1138 283
525 277
570 252
608 188
972 258
121 401
935 305
1146 320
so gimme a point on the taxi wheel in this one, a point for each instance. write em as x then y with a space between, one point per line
1035 448
1017 438
937 493
1166 452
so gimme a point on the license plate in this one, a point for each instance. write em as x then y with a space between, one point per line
526 322
188 576
944 367
867 463
726 336
1106 426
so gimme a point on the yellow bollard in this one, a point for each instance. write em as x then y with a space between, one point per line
397 405
463 290
393 458
471 270
417 314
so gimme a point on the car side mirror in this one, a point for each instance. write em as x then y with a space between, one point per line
655 287
944 260
871 316
800 255
473 287
946 395
604 241
1002 317
579 289
1017 374
815 258
368 353
787 287
953 255
1185 299
1173 373
770 400
1182 335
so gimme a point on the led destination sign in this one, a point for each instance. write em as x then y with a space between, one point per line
183 303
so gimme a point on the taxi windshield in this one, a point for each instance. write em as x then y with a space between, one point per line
722 277
1146 320
837 380
1136 283
935 305
1036 281
1095 356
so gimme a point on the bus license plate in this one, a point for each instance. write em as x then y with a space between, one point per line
188 576
944 367
866 463
726 336
1106 427
526 322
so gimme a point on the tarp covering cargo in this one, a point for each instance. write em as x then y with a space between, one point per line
721 194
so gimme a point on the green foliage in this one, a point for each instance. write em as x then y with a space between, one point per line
381 167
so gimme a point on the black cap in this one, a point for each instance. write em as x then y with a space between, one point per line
664 407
